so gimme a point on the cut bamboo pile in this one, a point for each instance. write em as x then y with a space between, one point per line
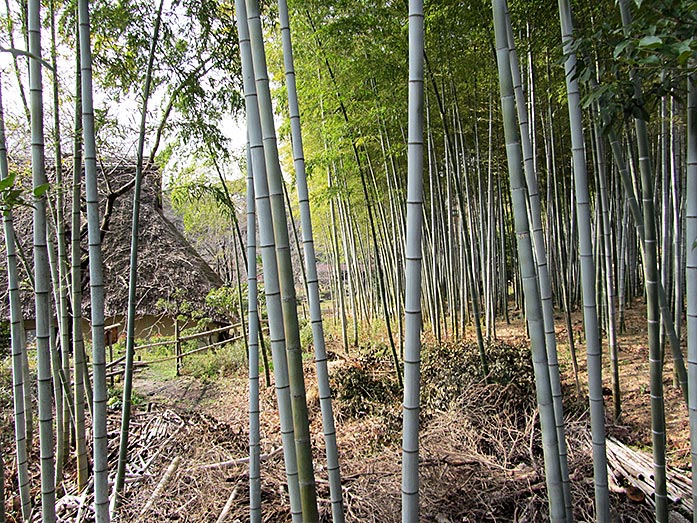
632 468
151 434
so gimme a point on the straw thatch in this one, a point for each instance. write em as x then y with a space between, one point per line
167 263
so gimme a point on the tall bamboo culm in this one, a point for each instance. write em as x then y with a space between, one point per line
63 405
267 246
253 348
412 309
542 269
41 272
325 394
79 364
651 278
533 303
691 266
16 327
99 395
119 482
590 316
301 428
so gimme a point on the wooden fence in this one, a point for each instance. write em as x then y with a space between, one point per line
178 355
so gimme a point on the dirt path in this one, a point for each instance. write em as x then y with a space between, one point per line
185 393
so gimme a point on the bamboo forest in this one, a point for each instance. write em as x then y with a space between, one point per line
348 261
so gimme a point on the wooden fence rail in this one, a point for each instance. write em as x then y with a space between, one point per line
177 342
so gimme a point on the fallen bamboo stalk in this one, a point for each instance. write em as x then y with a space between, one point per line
637 469
115 362
214 331
228 506
161 485
157 452
234 462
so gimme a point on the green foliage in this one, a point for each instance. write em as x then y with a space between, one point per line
227 360
209 212
306 336
11 194
115 398
6 405
177 306
226 300
5 339
659 46
197 72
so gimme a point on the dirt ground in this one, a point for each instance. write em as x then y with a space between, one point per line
481 452
470 471
635 424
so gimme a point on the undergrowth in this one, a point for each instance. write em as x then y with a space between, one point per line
450 374
448 370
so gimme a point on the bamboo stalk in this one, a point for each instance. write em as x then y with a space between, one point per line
412 308
99 397
166 477
254 330
542 270
239 461
267 246
18 347
533 304
133 272
691 267
585 242
41 274
80 369
310 274
228 505
303 450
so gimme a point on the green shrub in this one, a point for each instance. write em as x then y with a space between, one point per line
221 361
115 398
449 369
306 336
5 340
366 386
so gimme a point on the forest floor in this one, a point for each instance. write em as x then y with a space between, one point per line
480 448
481 454
634 427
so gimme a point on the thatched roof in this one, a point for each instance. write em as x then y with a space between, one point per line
167 263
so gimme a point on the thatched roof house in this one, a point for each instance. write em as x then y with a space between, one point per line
167 264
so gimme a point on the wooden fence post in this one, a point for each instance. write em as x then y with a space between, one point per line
178 346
